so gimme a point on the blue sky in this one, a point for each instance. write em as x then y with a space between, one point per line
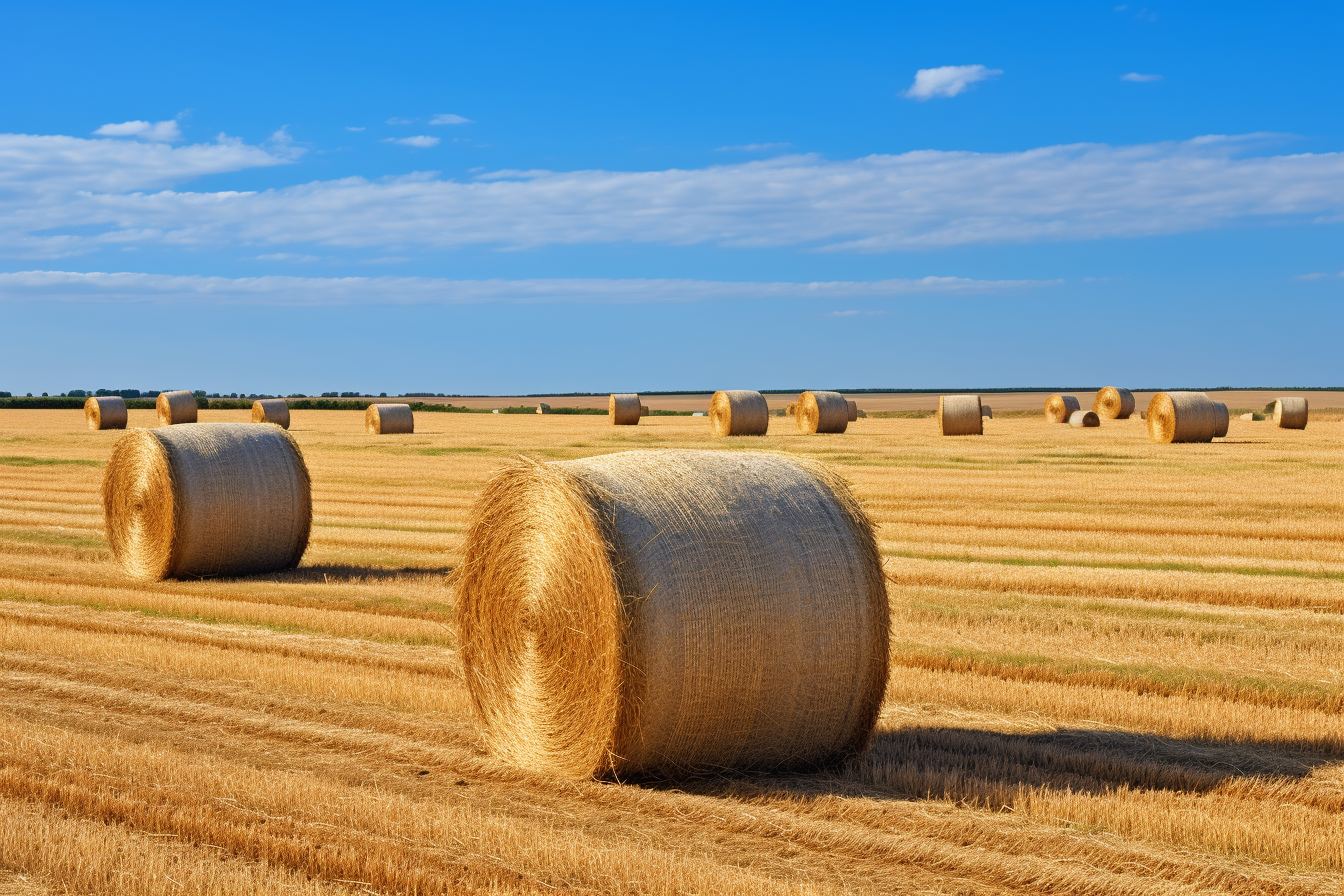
504 198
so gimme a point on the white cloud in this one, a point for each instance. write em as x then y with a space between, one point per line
421 141
754 147
285 256
156 132
1317 275
1140 79
353 128
395 120
448 118
947 80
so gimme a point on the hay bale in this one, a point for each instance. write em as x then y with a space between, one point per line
1249 416
176 407
1113 403
987 412
853 409
643 410
1058 408
821 412
105 412
624 409
206 499
388 419
271 410
738 412
791 409
543 408
1084 418
959 415
665 611
1290 413
1181 417
1221 420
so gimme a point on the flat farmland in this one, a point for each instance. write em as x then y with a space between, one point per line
1117 668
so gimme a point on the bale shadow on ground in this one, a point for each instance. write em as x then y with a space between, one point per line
344 574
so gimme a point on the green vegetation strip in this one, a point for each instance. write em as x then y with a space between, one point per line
21 461
1102 564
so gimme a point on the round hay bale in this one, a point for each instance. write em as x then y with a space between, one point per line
738 412
1058 408
271 410
853 409
821 412
1248 416
543 408
388 419
1113 403
176 407
1290 413
1181 417
1221 420
1084 418
207 499
986 411
643 410
105 412
789 411
665 611
959 415
624 409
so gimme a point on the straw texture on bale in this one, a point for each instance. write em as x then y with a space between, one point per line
105 412
1181 417
1113 403
986 411
1084 418
206 499
1290 413
271 410
1221 420
853 409
738 412
789 411
821 412
657 612
388 419
643 410
624 409
960 415
1058 408
176 407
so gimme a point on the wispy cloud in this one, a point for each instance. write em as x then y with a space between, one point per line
1318 275
395 120
1140 79
154 132
754 147
947 80
448 118
422 142
353 128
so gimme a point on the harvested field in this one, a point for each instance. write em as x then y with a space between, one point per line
1118 668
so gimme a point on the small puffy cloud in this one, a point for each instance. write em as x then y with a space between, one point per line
154 132
947 80
421 142
352 128
754 147
1140 79
447 118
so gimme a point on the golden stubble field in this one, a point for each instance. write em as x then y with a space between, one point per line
1118 667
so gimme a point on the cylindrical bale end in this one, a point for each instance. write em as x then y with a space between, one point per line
1181 417
176 407
960 415
1290 413
853 407
825 412
388 419
1113 403
624 409
1222 419
105 412
738 412
1084 418
1058 408
271 410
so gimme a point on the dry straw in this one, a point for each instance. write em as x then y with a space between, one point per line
960 415
388 419
206 499
176 407
986 411
1181 417
1221 420
663 611
1084 418
1290 413
271 410
1113 403
643 410
791 409
1058 408
624 409
853 409
821 412
738 412
105 412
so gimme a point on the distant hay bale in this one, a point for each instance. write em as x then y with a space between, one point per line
105 412
1113 403
271 410
1250 416
543 408
388 419
1084 418
669 611
206 499
624 409
853 409
986 411
791 409
1058 408
643 410
176 407
960 415
1290 413
1222 420
738 412
825 412
1181 417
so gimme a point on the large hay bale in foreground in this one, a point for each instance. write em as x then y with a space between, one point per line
1084 418
664 611
1113 403
624 409
959 415
1290 413
206 499
738 412
105 412
388 419
175 407
821 412
853 407
1181 417
1222 419
1058 408
271 410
